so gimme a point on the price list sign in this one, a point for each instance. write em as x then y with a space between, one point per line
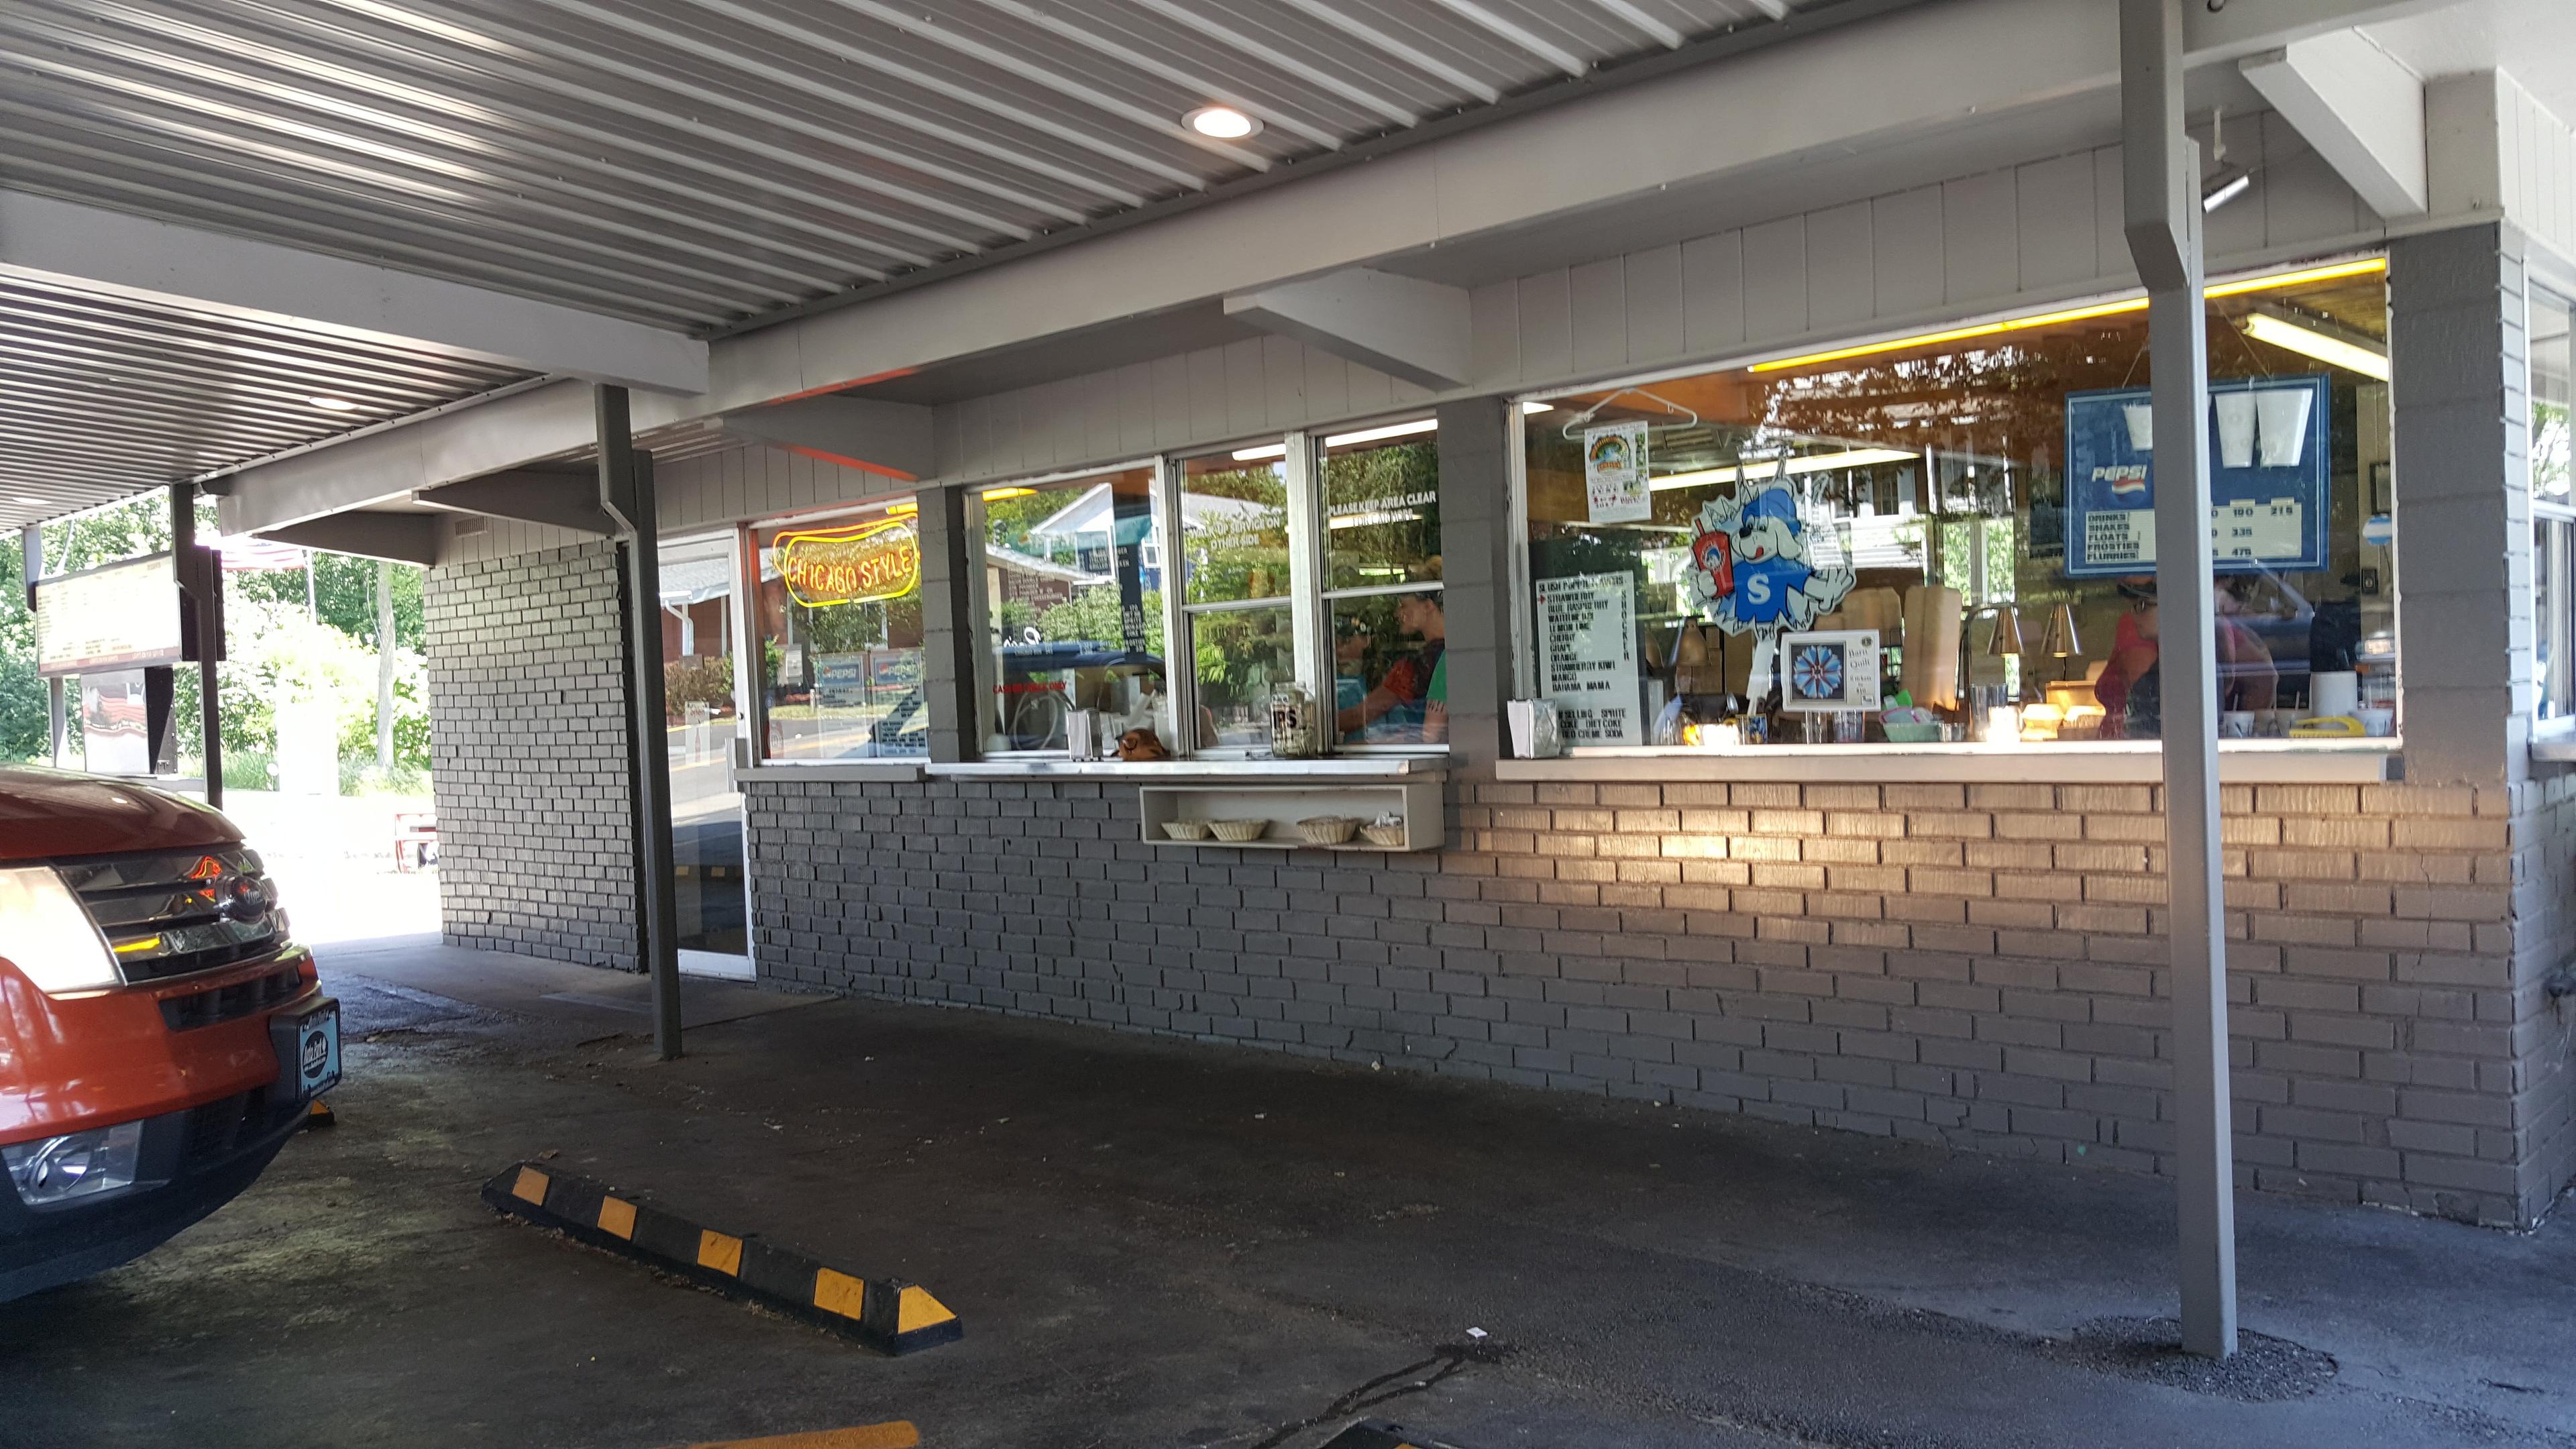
2270 455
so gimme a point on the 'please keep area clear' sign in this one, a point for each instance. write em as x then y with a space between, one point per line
2269 462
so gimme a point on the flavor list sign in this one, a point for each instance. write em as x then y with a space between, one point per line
1587 630
2269 459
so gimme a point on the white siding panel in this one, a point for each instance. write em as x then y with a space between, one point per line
1981 237
2054 201
2111 214
1654 283
1208 418
1907 251
1775 278
1713 292
1171 400
1372 391
1247 400
1136 409
1103 409
2298 192
1494 342
1597 305
1328 383
1842 267
1547 329
1283 378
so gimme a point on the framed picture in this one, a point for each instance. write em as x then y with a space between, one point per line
1828 670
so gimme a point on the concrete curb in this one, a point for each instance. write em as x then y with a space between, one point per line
886 1314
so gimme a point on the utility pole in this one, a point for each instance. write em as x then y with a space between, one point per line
2163 213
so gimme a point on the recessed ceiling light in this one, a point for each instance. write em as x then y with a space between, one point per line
333 404
1225 123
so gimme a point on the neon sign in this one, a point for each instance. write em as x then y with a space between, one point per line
859 564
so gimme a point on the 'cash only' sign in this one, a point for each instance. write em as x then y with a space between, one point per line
858 564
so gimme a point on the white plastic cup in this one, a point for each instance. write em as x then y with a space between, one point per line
2142 425
2236 423
2333 692
2284 421
2236 724
2377 722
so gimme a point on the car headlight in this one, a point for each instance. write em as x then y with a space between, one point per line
48 937
55 1170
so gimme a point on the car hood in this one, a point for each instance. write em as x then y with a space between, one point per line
46 814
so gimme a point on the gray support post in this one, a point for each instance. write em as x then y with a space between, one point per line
626 491
2164 232
1475 546
206 619
947 629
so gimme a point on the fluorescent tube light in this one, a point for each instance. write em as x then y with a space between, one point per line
1533 409
2308 339
1266 450
1377 435
1815 463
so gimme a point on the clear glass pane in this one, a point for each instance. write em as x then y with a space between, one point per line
1241 654
1980 509
1390 671
1234 524
1382 507
1073 602
2551 366
698 732
839 616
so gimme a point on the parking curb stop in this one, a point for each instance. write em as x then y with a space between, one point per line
886 1314
1379 1434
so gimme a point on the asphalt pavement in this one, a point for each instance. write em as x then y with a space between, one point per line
1162 1243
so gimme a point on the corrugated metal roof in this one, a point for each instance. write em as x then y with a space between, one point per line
681 163
106 397
693 162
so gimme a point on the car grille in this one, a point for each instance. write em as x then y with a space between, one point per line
221 1128
231 1003
173 913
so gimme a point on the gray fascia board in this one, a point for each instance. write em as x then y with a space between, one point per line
559 500
401 537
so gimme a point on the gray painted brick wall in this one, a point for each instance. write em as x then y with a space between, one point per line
1976 965
528 756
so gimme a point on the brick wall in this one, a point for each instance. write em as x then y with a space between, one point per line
1979 965
527 742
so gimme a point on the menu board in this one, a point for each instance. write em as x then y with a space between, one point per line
1587 658
120 616
2269 476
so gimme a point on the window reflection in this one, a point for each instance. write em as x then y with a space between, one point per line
839 622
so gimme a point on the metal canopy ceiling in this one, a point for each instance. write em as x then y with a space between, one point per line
690 163
107 397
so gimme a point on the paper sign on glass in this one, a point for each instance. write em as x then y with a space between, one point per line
1614 473
1587 628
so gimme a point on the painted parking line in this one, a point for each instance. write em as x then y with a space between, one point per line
886 1314
897 1435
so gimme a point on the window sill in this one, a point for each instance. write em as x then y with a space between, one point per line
1344 767
830 772
2240 762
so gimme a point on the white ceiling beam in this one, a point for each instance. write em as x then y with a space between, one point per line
47 240
2224 31
401 537
1402 326
890 439
2362 110
529 495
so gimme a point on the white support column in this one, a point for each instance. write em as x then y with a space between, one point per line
2164 231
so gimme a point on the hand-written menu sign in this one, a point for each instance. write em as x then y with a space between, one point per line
1587 628
2269 474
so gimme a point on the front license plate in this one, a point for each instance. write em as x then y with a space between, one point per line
308 1048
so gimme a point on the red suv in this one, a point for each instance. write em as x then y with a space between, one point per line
161 1036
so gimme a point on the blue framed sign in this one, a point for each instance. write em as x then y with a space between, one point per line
2270 470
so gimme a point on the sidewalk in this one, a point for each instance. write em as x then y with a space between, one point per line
1160 1243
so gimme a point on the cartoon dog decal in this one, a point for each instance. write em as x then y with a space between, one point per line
1749 564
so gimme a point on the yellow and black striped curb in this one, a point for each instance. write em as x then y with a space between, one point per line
1379 1434
898 1435
885 1314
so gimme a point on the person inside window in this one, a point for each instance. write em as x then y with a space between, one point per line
1411 702
2131 689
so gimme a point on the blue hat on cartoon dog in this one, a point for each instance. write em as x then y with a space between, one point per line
1774 503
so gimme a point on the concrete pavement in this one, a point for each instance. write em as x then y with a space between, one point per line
1161 1243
